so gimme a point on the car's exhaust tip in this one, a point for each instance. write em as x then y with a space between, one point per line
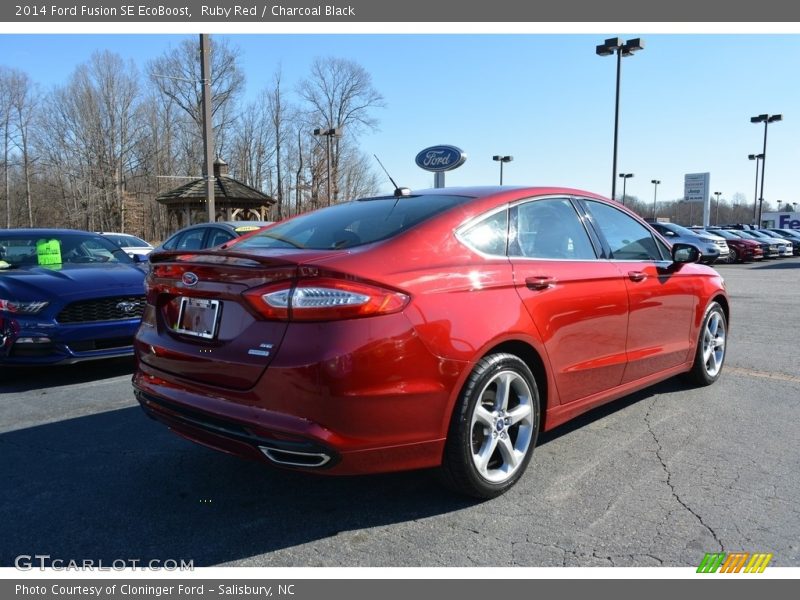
294 458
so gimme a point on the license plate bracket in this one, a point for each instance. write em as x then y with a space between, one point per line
198 317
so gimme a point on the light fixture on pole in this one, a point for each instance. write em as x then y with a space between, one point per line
755 157
625 177
655 183
328 133
716 218
609 47
766 119
501 160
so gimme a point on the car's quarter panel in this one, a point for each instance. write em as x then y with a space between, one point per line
358 386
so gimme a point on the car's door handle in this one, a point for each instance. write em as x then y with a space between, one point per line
636 276
538 283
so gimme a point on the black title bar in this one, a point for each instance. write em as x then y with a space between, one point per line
439 11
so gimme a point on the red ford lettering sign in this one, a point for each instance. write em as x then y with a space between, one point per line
440 158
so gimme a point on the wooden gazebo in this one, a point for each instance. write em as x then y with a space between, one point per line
233 200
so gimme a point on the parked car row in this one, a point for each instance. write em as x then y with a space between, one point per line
755 244
346 340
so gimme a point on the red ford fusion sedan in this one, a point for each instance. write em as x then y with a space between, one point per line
442 328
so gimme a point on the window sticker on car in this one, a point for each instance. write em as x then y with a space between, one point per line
48 252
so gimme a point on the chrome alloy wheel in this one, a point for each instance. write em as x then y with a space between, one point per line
502 426
714 344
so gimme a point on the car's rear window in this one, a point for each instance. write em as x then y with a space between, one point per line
353 223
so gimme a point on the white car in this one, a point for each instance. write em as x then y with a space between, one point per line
785 247
130 244
719 242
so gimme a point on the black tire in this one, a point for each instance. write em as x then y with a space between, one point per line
497 435
733 256
711 347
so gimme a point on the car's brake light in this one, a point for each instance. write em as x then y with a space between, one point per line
324 299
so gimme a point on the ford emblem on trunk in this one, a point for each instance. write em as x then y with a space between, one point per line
189 279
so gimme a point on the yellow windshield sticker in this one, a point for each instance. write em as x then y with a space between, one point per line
48 252
246 228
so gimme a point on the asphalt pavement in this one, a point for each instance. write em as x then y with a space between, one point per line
657 478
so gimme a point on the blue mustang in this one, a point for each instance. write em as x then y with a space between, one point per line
66 296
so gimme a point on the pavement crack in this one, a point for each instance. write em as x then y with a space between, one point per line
668 473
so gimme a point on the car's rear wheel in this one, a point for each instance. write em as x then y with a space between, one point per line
733 256
711 346
494 428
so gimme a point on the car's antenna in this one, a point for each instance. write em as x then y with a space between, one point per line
398 191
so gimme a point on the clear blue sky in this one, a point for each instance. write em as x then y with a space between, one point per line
548 100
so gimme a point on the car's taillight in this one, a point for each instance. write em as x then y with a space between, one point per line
324 299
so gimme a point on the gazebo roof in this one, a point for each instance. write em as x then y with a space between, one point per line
228 192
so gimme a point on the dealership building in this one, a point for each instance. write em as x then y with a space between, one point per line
782 220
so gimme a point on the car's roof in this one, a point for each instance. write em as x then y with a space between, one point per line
491 190
45 231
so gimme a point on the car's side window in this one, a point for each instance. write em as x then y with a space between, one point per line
218 236
549 228
191 240
628 239
171 242
488 235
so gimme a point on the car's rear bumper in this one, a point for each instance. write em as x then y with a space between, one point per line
280 440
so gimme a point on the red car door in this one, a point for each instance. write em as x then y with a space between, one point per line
662 299
579 304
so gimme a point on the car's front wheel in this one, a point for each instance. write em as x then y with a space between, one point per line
494 427
733 256
711 346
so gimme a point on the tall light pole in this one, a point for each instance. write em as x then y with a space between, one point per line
766 119
208 126
755 157
328 133
501 160
655 183
624 177
716 218
608 48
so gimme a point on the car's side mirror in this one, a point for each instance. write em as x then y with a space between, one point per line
685 253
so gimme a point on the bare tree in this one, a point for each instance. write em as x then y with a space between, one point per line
6 108
94 124
177 76
25 100
339 94
279 114
252 146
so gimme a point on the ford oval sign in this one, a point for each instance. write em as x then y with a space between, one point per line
440 158
189 279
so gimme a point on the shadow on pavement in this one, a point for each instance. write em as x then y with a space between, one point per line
116 485
23 379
